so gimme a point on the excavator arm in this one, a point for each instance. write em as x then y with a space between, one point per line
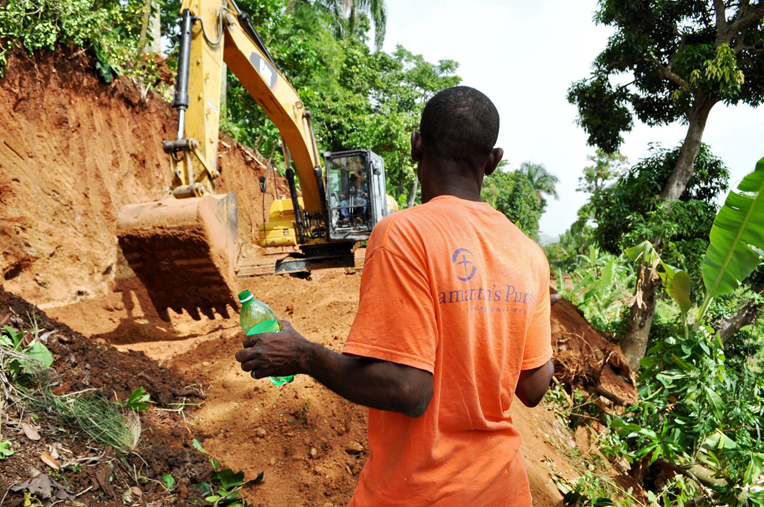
184 247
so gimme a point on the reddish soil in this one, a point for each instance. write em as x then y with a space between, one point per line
79 150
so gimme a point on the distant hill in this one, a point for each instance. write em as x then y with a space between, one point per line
545 239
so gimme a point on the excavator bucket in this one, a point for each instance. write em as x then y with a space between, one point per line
184 251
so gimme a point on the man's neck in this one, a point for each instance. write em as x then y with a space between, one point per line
454 181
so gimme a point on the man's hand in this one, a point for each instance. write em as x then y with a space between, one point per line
554 299
274 354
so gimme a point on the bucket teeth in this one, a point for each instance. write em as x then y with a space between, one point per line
184 251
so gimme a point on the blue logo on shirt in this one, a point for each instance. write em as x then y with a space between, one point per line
463 265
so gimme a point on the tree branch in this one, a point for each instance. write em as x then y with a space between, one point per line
617 400
746 315
746 16
721 16
666 73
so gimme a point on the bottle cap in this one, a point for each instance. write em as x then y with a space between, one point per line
245 296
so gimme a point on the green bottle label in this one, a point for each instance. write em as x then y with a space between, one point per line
271 326
267 326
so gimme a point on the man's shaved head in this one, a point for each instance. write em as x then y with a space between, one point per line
460 124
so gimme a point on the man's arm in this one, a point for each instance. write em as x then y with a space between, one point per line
370 382
533 384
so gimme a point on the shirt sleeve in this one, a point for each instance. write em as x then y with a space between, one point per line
396 313
538 340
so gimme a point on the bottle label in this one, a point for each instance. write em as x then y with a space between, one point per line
268 326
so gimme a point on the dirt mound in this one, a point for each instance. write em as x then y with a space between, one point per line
78 151
584 359
81 364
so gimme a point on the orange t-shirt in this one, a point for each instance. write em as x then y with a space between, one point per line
454 288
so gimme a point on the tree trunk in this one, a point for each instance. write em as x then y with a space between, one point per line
351 19
151 25
412 195
746 315
144 26
685 164
641 318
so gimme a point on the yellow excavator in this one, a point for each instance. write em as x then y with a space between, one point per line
184 246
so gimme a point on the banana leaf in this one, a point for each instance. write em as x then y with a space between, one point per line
738 227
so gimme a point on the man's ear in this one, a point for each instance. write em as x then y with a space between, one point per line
416 146
493 160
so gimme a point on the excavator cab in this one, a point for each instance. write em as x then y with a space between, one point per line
356 198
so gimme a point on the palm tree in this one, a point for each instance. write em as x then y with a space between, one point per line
346 11
542 180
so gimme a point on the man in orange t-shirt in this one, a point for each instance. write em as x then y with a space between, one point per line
453 322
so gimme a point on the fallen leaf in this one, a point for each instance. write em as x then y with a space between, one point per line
103 473
39 485
5 317
137 491
30 432
48 459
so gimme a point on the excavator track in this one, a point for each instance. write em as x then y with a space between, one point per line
289 264
184 251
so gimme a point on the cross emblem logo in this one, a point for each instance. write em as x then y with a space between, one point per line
465 269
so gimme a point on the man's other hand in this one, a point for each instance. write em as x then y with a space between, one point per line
274 354
554 298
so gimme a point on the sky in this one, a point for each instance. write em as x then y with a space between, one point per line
524 56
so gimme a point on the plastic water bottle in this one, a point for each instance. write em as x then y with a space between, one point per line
256 317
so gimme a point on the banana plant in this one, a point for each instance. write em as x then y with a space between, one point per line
734 251
676 282
737 240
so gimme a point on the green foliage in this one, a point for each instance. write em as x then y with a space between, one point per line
738 229
693 409
628 211
346 13
88 412
168 481
606 166
110 30
589 491
223 489
513 194
602 112
35 354
138 400
574 242
579 237
696 416
682 58
5 449
600 286
543 181
359 98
